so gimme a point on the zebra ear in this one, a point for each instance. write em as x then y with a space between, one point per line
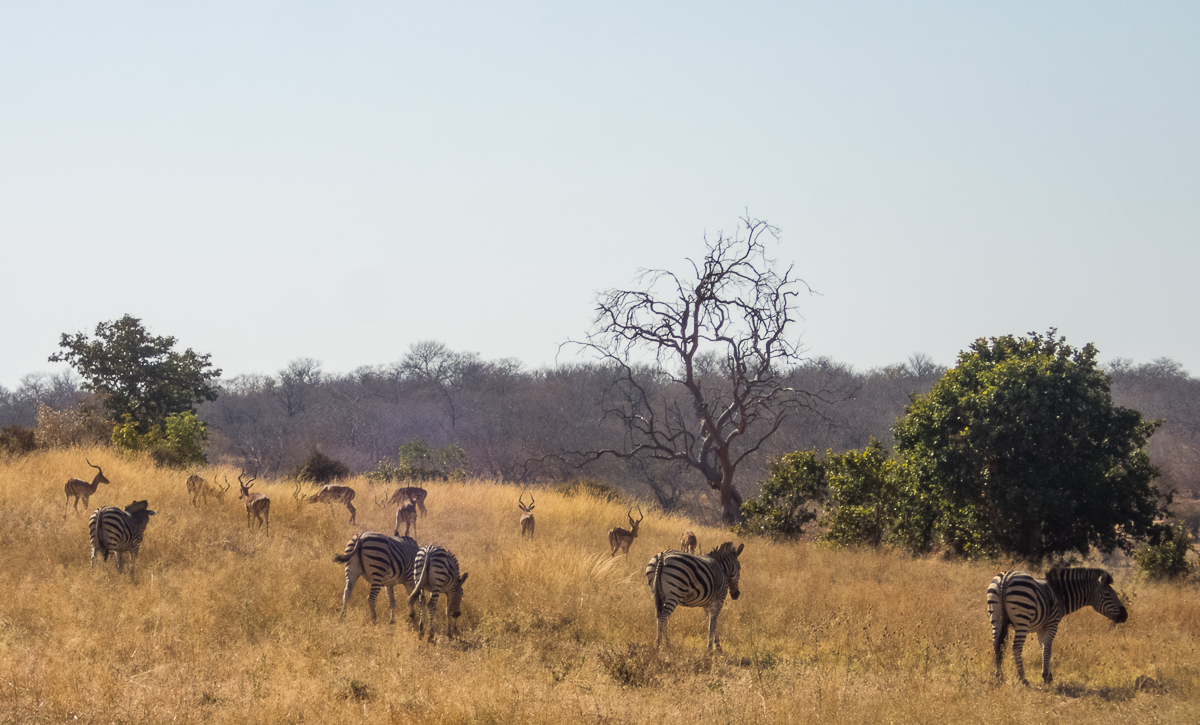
739 550
1107 579
151 513
462 579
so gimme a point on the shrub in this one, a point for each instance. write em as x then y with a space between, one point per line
593 487
781 511
16 441
418 461
864 495
1165 557
82 426
320 468
183 444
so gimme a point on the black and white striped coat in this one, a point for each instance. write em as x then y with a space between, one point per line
384 561
679 579
437 573
1038 605
114 530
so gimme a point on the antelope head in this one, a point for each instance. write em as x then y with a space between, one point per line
99 473
634 524
527 508
245 485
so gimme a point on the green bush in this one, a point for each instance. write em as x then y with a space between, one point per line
183 444
864 496
1165 557
797 481
419 461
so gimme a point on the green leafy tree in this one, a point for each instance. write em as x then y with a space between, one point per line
783 507
1020 449
865 496
183 443
138 374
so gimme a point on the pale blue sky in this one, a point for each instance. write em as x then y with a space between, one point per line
267 181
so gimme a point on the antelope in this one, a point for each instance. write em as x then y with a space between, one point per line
83 489
687 542
257 504
408 514
332 493
201 489
410 493
527 517
619 538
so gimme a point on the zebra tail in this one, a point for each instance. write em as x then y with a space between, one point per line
343 558
420 583
658 592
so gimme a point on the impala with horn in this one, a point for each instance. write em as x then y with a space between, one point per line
257 504
331 493
620 538
83 489
527 516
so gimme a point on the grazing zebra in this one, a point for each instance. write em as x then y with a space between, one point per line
437 573
679 579
382 560
1038 605
112 530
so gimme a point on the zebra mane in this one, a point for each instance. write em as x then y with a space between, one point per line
1058 577
725 549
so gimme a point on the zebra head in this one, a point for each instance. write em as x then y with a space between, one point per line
1105 600
727 557
454 597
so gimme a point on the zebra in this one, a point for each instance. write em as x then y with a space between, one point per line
437 572
382 560
1038 605
683 579
112 530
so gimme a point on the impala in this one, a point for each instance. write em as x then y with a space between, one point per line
527 516
619 538
331 493
257 505
83 489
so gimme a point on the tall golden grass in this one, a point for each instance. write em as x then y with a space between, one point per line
229 625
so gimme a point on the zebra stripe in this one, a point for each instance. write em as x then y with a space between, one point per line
679 579
382 560
114 530
1038 605
437 573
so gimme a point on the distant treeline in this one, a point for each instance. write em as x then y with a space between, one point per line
521 425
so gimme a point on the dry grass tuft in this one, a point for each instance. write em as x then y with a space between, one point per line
229 625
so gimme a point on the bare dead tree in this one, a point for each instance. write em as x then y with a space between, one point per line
721 344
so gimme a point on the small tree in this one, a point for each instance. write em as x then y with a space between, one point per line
1166 555
138 374
1020 449
865 496
782 509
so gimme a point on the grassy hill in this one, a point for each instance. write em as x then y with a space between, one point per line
230 625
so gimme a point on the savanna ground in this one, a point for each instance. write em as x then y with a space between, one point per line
227 624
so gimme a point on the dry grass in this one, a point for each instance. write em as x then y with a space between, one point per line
228 625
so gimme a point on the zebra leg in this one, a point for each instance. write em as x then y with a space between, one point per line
133 566
351 580
714 638
1018 648
431 609
371 600
999 634
1047 640
392 602
120 562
